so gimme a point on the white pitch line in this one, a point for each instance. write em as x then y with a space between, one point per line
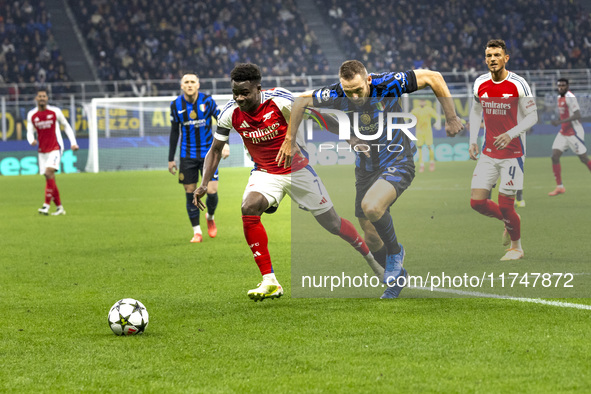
503 297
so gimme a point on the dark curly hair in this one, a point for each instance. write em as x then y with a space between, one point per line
246 72
497 43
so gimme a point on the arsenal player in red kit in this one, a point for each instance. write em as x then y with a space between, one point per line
571 135
261 118
44 120
509 109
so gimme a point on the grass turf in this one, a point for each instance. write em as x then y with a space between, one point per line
126 235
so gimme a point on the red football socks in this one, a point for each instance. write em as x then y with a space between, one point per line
487 208
510 217
556 170
349 233
52 192
256 236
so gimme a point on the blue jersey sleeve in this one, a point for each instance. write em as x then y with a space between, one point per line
395 84
213 108
324 97
173 113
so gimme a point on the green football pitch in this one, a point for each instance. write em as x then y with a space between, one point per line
126 234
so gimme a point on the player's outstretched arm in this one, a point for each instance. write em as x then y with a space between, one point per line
434 79
210 165
289 148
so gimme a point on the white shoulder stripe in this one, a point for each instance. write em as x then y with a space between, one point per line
519 80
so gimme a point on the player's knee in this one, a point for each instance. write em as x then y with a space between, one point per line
333 227
477 205
372 211
584 159
252 207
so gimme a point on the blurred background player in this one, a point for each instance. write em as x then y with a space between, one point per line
192 115
381 175
506 102
425 114
261 119
43 120
571 135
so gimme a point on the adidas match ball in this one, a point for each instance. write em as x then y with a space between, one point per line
128 317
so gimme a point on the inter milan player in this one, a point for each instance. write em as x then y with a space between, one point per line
44 121
571 135
509 109
261 119
192 115
383 173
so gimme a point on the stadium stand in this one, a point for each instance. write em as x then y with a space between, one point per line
29 54
449 36
139 39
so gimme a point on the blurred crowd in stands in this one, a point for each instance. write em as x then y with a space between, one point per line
142 40
451 35
29 52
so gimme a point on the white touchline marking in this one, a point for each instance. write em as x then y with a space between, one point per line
504 297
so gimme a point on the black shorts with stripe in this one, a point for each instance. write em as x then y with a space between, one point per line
190 169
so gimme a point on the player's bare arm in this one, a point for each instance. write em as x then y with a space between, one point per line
289 149
434 79
210 165
575 116
226 151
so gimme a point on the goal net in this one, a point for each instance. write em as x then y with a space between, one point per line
133 134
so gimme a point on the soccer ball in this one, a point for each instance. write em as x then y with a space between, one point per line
128 317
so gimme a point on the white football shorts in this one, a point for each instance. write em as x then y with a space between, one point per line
50 159
304 187
575 143
488 170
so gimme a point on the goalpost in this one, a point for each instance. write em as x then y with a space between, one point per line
133 134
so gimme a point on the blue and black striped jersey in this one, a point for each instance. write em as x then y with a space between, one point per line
193 121
384 94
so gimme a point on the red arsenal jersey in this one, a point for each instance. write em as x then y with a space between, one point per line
263 131
504 105
45 123
567 106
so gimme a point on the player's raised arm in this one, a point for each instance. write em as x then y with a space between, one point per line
210 165
297 114
434 79
475 119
